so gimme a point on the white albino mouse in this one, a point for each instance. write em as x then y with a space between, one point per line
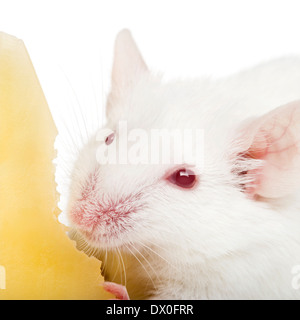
227 230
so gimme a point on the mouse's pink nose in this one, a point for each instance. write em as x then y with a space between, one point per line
94 210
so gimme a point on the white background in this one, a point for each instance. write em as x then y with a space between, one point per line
71 44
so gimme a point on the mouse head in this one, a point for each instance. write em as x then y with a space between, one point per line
120 196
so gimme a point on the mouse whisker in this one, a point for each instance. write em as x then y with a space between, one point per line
97 105
114 255
149 276
150 265
124 269
105 261
68 140
79 107
148 248
156 245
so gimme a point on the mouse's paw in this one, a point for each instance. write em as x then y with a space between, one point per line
116 289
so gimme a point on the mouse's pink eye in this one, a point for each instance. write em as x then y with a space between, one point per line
110 138
184 178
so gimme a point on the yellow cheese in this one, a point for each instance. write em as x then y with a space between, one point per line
37 259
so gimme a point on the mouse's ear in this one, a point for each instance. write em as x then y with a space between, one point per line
275 140
128 63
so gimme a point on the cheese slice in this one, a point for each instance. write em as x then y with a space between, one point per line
37 259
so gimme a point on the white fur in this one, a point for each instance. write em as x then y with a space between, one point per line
211 242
